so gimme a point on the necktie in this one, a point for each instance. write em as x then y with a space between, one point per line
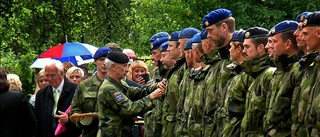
56 99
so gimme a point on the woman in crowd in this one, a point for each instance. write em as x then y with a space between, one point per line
15 83
75 74
16 115
41 82
66 66
136 70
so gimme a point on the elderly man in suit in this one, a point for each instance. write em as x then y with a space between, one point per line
52 101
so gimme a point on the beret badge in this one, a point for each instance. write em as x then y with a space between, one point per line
151 46
169 37
302 18
247 34
206 23
305 22
272 31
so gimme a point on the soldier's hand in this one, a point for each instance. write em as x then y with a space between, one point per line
162 85
158 93
86 120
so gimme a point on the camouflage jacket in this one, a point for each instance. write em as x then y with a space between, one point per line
236 90
159 72
153 118
285 79
196 104
215 81
301 95
85 101
252 122
169 109
116 110
312 117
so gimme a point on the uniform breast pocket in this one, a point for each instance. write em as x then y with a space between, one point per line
90 101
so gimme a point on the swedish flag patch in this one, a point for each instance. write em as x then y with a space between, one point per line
119 96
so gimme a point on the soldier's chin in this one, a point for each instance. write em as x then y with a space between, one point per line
154 63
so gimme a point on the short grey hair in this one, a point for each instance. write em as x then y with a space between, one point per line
57 64
108 63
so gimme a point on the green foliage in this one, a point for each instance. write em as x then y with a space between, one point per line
29 27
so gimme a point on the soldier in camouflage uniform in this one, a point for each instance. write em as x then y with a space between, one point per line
278 117
156 56
220 25
186 89
85 99
257 67
310 30
116 110
155 123
175 75
304 62
151 118
236 88
194 100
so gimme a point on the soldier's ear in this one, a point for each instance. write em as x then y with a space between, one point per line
261 48
112 66
318 32
288 44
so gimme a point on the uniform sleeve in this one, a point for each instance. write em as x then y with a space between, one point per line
181 98
126 107
238 94
78 99
138 93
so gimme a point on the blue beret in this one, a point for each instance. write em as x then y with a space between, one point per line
312 19
102 52
302 16
158 35
174 36
156 44
215 16
203 34
118 57
255 32
188 33
196 38
238 36
283 26
188 44
164 46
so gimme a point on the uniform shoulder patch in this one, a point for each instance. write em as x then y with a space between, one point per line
119 96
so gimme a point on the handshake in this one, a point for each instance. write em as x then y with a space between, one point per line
160 91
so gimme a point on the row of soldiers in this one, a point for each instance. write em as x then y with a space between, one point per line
253 82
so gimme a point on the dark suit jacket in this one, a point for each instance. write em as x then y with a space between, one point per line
133 83
16 115
47 123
